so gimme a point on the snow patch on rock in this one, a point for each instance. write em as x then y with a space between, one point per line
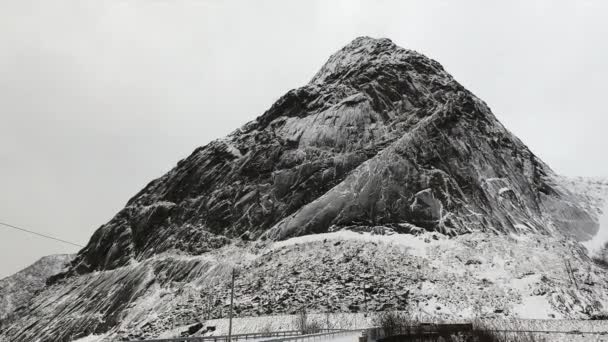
601 238
535 307
414 244
91 338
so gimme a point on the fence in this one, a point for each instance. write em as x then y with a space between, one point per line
313 337
423 332
224 338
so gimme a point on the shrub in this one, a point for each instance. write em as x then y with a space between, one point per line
312 327
392 322
304 324
483 333
600 261
601 316
266 330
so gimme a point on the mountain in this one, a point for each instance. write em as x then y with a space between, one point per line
17 290
380 136
382 173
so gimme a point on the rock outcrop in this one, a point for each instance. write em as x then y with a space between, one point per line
17 290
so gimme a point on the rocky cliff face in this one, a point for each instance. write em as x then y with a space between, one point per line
17 290
381 141
380 136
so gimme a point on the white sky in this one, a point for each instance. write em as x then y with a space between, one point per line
97 98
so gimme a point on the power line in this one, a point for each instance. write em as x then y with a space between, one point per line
42 235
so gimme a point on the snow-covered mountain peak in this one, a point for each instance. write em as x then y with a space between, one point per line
363 52
382 136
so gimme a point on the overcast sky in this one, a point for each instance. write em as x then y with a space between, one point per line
97 98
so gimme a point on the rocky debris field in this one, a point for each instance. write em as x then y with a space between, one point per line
431 275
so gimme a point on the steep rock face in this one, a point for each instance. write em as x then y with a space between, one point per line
17 290
381 135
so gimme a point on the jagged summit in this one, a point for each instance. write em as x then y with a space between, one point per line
366 65
362 51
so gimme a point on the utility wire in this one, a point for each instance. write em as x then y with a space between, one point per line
42 235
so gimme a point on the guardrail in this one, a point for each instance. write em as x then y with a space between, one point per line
337 332
224 338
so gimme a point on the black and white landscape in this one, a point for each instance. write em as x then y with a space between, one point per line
381 185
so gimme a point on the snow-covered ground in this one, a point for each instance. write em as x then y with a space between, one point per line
432 275
451 279
599 240
552 326
415 245
351 320
350 337
91 338
499 277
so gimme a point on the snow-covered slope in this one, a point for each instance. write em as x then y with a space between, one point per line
17 290
592 195
433 275
381 184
